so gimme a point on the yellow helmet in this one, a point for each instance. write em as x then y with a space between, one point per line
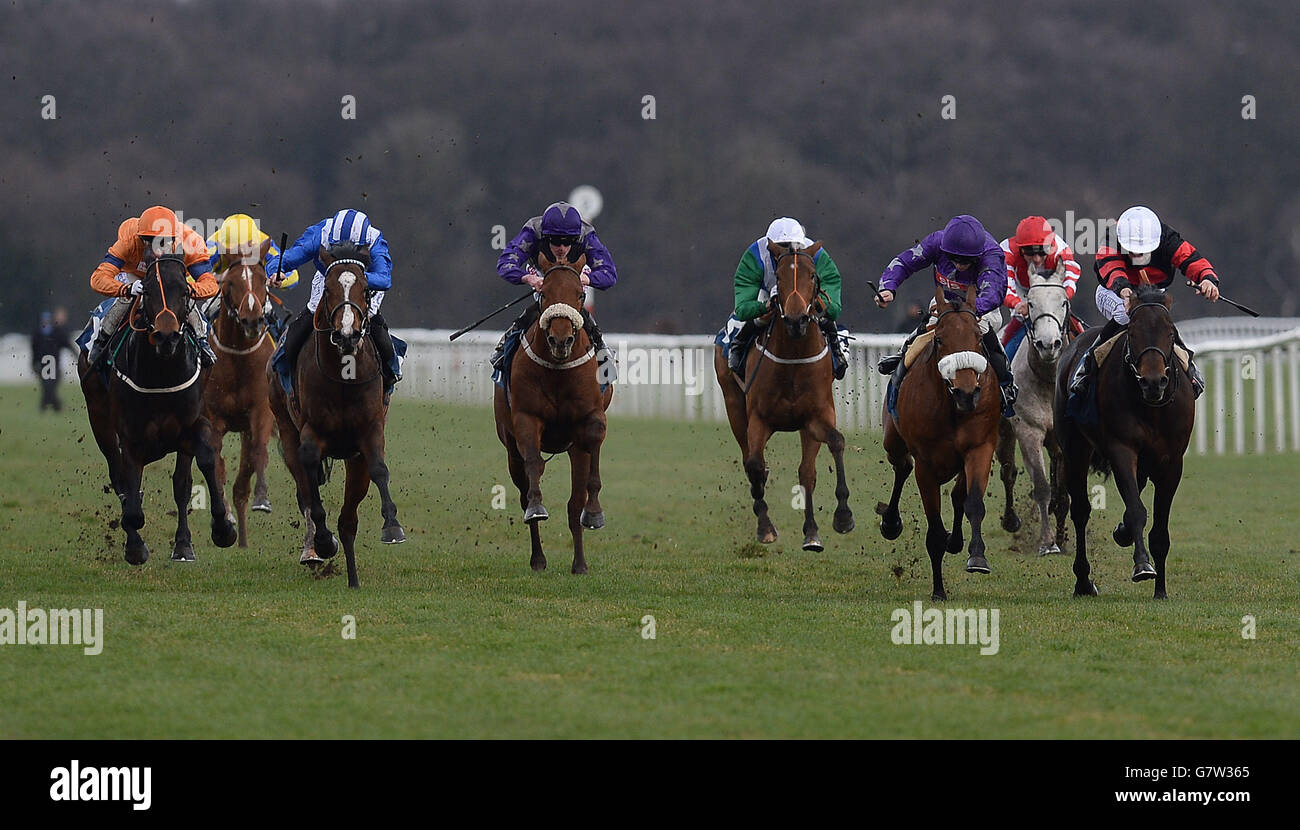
238 233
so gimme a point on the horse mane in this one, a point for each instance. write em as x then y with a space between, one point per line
1150 294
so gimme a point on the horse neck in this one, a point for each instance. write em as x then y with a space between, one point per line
156 367
786 345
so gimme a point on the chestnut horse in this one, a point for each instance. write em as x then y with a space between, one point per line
948 412
153 406
555 405
237 394
340 411
790 381
1146 408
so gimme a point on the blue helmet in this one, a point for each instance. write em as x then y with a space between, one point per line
348 226
963 236
562 219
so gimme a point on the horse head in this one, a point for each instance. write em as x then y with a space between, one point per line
1048 311
244 291
561 303
1149 353
344 309
164 303
797 285
957 348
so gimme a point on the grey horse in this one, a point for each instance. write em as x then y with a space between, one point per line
1034 367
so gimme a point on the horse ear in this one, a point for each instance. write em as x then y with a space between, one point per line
970 296
264 250
814 249
940 300
544 261
775 250
579 262
325 256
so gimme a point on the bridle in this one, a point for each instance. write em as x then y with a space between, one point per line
1171 365
154 268
232 311
362 313
1060 321
817 285
552 311
935 347
780 307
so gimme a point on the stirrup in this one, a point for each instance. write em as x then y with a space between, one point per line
889 363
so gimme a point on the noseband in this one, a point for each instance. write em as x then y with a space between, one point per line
362 313
154 268
955 361
1171 367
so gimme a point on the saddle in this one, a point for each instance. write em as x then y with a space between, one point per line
1101 352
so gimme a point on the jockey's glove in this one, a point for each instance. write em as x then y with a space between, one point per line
137 288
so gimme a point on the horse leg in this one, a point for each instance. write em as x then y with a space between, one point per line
734 400
891 524
1076 452
1031 448
1166 486
593 517
979 464
1124 464
137 552
243 481
224 532
261 422
756 469
519 475
1060 503
358 482
955 539
808 481
290 444
825 431
182 482
101 426
1007 463
528 438
392 533
325 543
579 472
936 536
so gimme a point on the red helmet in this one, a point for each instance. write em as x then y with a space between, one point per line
1034 230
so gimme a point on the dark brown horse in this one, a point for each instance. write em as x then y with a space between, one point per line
1145 407
555 405
790 381
237 395
152 406
948 411
340 412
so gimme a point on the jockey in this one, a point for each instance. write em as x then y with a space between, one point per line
140 241
345 226
755 290
962 254
1035 249
1143 250
566 235
239 233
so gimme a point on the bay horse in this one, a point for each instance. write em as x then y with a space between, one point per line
1034 366
152 406
1146 408
237 395
555 404
339 412
948 411
790 379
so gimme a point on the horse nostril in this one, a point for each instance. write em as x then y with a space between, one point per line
1056 344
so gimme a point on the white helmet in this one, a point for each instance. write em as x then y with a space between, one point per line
786 231
1138 230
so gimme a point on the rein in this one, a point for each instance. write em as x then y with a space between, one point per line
363 313
1171 365
548 314
780 307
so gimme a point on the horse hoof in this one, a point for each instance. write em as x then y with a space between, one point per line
955 544
977 565
939 596
224 533
137 555
1010 522
1089 590
578 569
813 543
310 559
1142 572
845 523
538 564
768 537
535 514
183 553
393 535
1048 549
327 548
593 521
1122 535
891 530
262 505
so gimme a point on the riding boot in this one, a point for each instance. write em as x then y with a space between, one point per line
890 362
299 330
606 367
1198 380
1002 368
520 325
107 328
384 345
832 333
737 349
1088 366
199 325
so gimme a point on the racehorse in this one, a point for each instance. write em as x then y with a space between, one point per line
339 412
1034 367
152 406
1145 408
237 394
794 392
554 405
948 410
